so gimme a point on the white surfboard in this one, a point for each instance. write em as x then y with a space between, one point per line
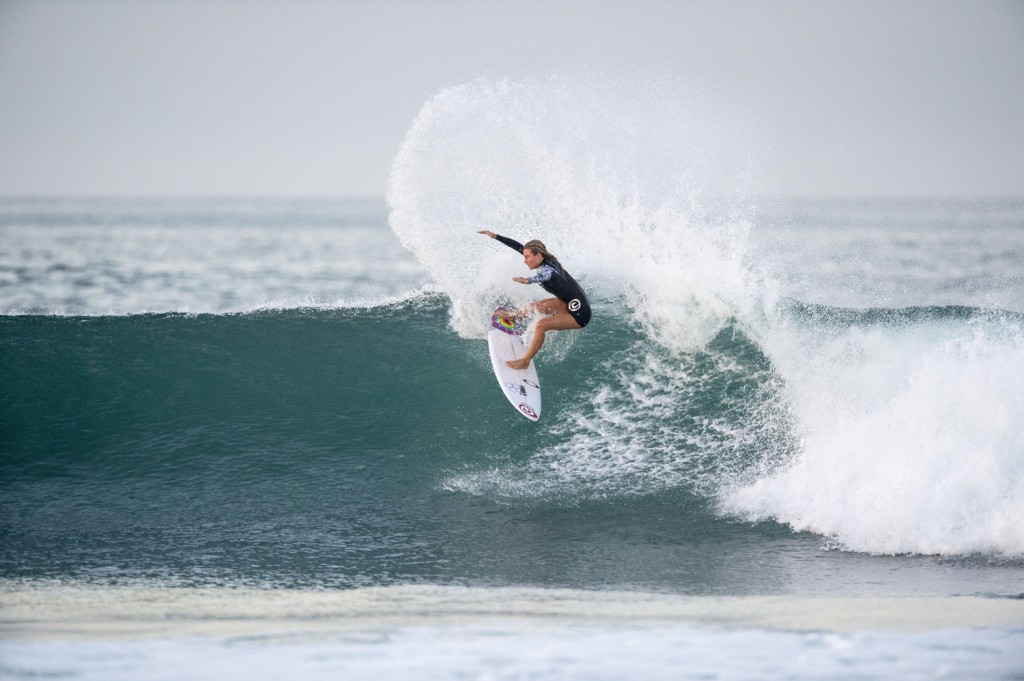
505 341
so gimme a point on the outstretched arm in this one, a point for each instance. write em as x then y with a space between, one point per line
511 243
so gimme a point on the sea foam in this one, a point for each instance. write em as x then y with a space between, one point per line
630 184
911 436
640 187
896 437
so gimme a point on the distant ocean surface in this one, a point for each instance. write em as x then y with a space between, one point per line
261 438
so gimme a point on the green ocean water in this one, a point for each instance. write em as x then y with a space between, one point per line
370 446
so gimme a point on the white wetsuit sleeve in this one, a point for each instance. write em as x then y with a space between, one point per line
544 273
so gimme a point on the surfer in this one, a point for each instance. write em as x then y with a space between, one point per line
569 309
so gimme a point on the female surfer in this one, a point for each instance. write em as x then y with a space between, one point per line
569 309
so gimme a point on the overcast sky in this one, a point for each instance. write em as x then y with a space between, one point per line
300 98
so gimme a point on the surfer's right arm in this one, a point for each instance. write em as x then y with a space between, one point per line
511 243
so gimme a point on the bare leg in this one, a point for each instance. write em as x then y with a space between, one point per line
560 320
546 306
549 306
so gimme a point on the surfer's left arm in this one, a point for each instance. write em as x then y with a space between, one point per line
544 273
511 243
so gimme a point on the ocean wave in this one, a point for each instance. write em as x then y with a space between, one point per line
886 431
909 428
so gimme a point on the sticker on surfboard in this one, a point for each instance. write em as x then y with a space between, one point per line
505 320
506 340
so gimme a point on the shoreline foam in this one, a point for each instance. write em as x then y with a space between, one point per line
42 611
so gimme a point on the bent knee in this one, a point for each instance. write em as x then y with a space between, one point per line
545 324
560 322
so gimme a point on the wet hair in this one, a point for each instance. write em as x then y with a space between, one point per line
537 246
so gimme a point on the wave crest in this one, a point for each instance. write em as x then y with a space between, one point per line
630 184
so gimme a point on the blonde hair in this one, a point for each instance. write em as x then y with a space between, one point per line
537 246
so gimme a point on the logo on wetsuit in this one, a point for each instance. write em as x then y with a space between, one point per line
574 305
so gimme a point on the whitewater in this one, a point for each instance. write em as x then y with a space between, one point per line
256 437
908 422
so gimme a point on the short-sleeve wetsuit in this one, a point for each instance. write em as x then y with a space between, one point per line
557 282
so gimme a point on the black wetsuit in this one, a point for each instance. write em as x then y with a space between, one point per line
558 283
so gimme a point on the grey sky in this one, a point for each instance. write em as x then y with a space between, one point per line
118 97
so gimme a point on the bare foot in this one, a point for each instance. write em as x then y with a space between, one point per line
517 363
